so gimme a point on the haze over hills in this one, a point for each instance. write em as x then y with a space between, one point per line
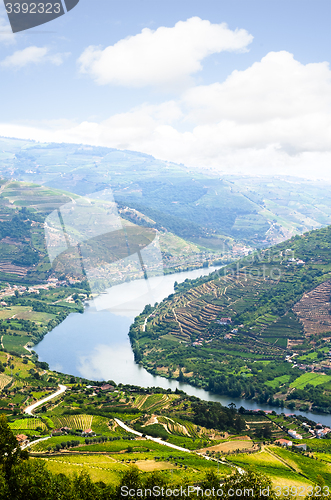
212 211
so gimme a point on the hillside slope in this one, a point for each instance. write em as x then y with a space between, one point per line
24 208
206 208
236 330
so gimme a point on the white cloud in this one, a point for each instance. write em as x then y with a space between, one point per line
278 87
274 117
32 55
166 56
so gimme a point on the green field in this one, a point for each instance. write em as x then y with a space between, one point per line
310 378
280 472
310 468
82 422
27 424
138 446
283 379
100 468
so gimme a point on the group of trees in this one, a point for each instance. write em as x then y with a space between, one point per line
23 325
66 444
18 226
254 386
215 416
314 394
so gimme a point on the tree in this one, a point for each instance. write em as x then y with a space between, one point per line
249 481
10 452
232 407
131 479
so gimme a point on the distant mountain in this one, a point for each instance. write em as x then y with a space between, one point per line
211 210
25 228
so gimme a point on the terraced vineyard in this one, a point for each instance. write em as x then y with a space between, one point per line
152 403
182 428
264 307
28 424
314 309
73 421
4 380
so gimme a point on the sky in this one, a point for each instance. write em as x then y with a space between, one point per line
238 86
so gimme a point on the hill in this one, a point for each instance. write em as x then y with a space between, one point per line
251 329
24 208
220 212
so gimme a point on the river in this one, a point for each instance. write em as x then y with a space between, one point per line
95 345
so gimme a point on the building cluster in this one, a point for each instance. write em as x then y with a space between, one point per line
9 290
224 321
320 431
302 366
294 434
289 444
104 388
298 262
292 259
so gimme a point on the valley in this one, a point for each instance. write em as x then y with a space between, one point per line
256 328
89 426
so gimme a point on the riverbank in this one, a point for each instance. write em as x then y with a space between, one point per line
97 347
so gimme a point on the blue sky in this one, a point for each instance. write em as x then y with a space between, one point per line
171 79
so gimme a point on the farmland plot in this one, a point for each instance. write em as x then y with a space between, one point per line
73 421
310 378
30 424
4 380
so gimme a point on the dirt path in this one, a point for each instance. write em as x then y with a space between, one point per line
34 442
145 322
180 326
295 469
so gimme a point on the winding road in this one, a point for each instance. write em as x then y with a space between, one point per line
29 409
179 448
156 440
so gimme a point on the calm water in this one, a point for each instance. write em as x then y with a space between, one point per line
95 345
